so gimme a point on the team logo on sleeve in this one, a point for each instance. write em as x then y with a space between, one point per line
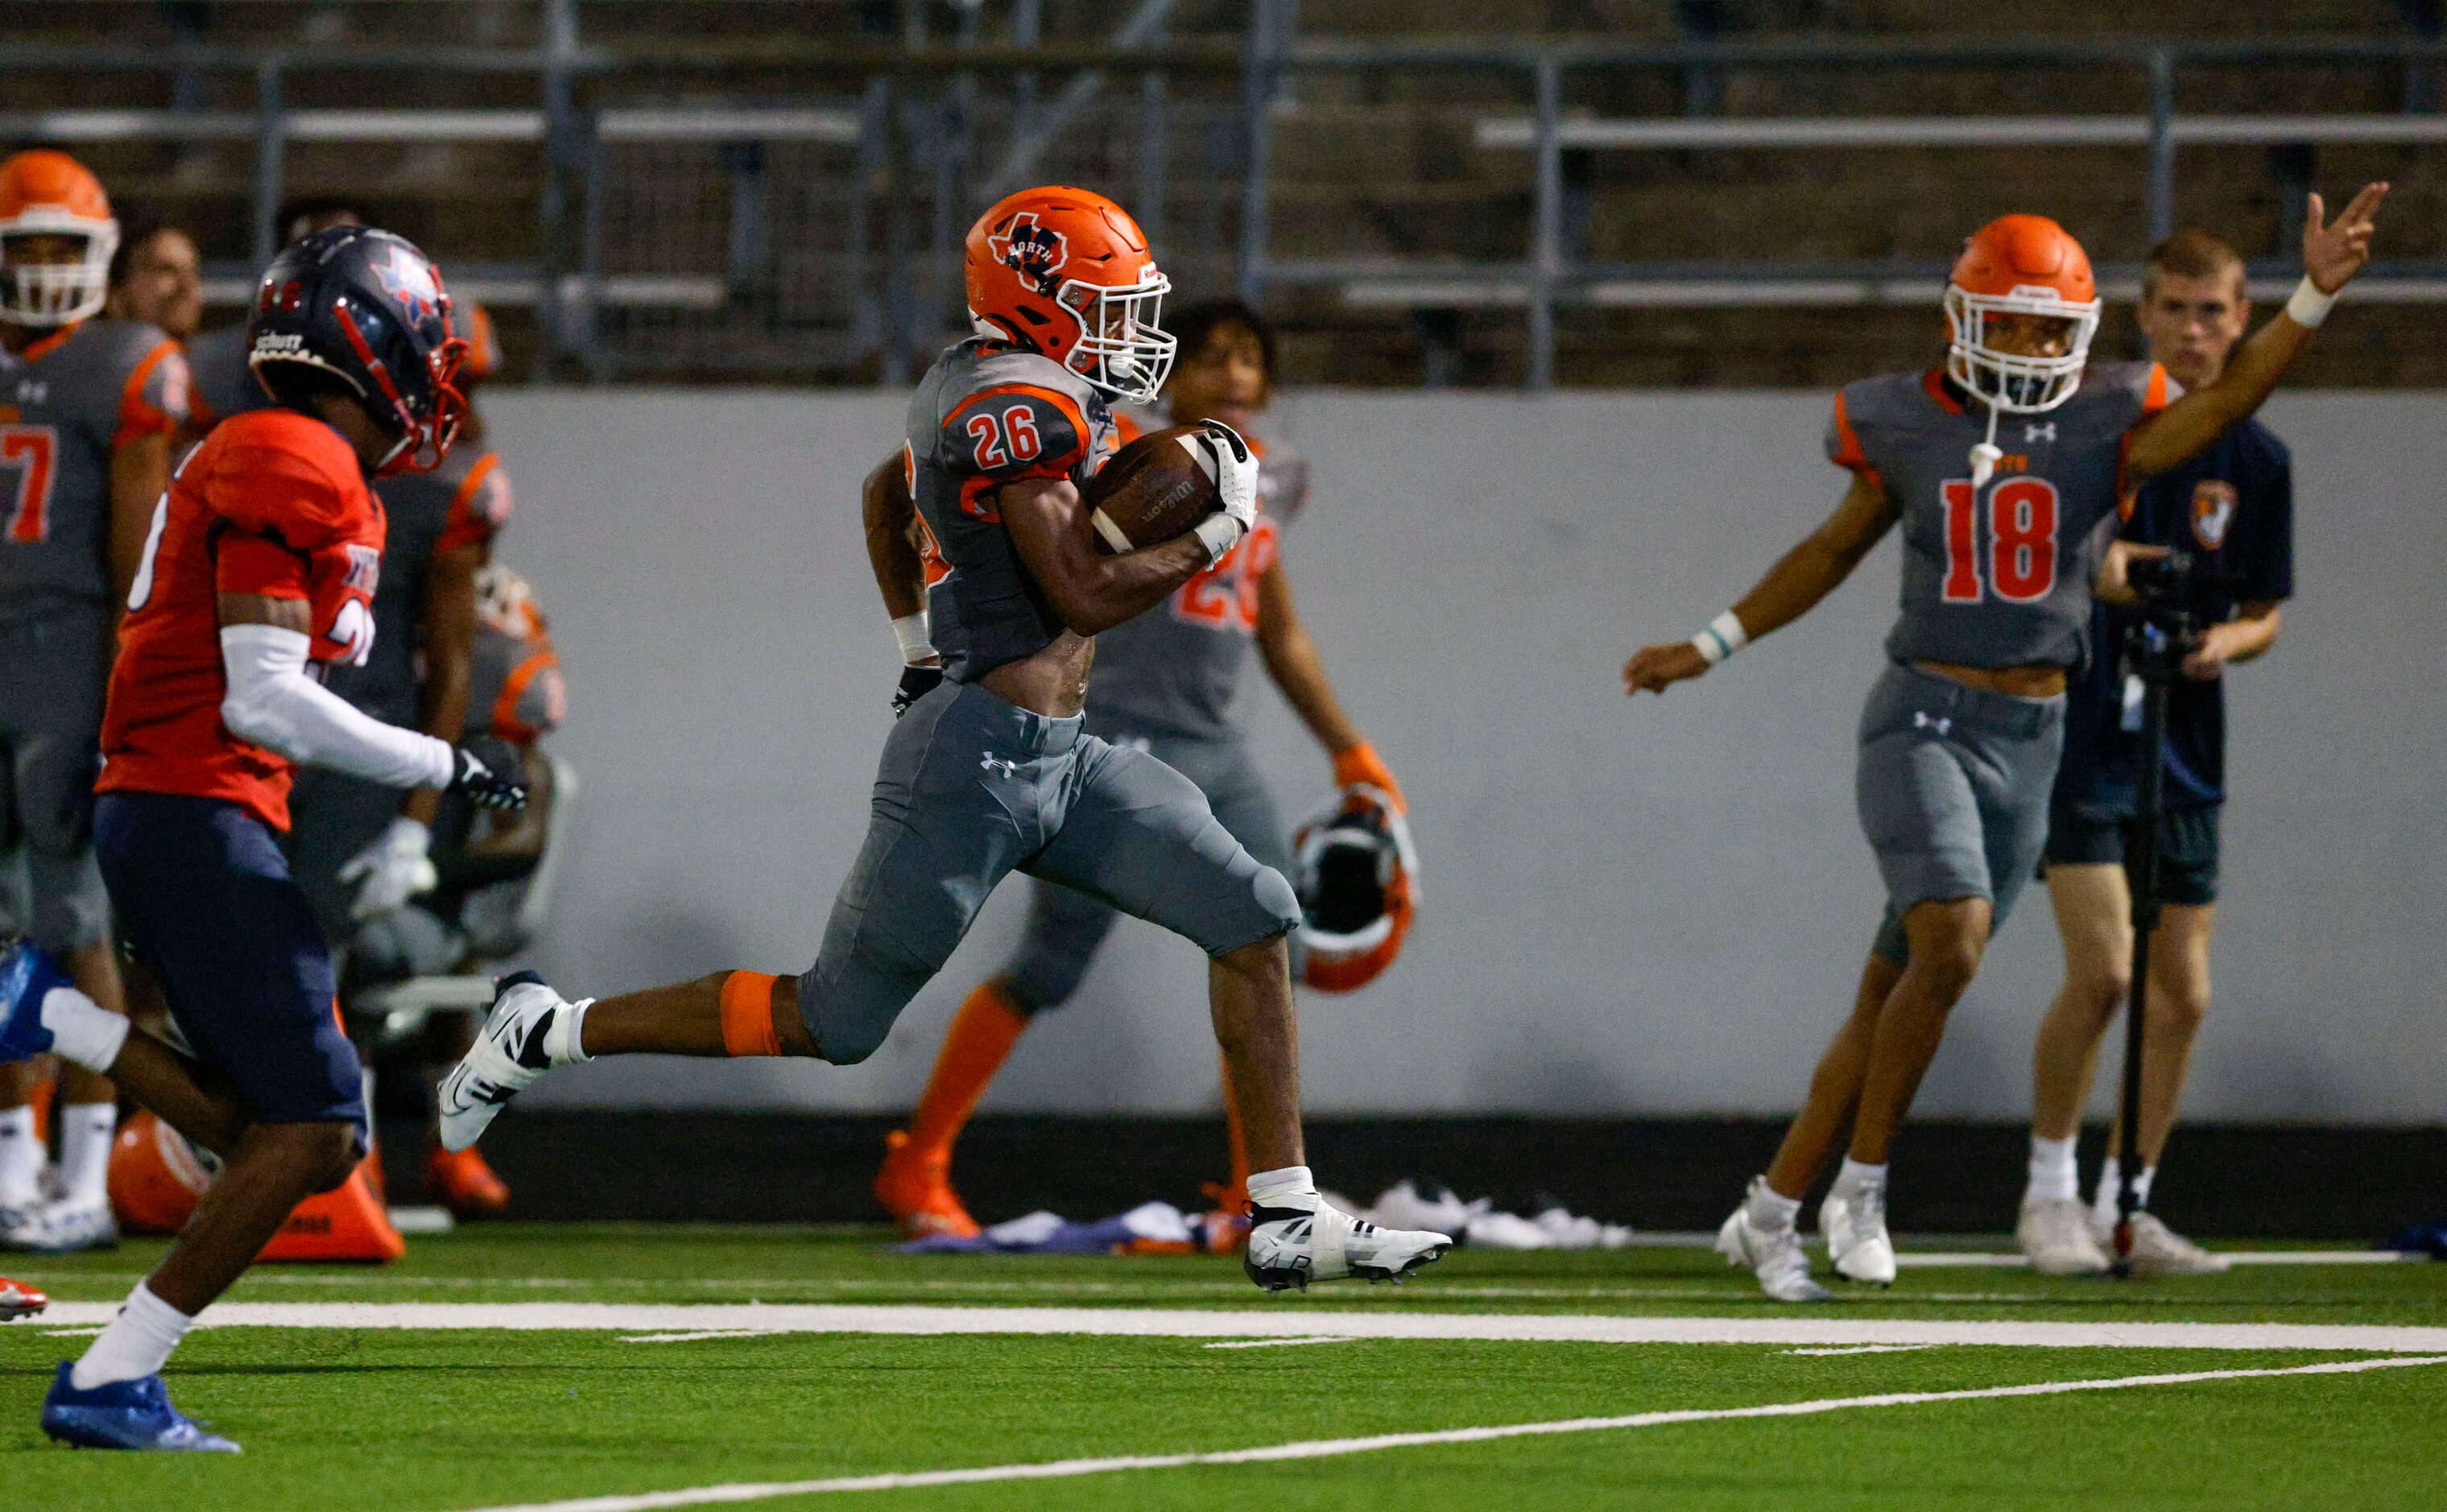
1036 253
2213 503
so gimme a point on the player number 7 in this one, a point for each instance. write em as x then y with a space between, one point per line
30 449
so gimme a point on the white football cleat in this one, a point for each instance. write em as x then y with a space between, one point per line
2159 1249
65 1228
508 1054
1854 1224
1289 1247
1773 1255
2056 1237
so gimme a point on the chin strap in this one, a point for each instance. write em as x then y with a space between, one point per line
1985 456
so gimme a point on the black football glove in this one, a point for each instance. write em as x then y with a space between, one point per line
916 683
489 773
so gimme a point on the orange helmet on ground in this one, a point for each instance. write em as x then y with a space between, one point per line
2019 265
157 1178
1067 273
1357 878
51 194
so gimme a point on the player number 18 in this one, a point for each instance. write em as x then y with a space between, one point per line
2022 542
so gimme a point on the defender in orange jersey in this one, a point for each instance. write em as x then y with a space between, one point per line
261 561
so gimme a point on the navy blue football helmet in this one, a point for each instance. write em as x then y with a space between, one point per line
367 309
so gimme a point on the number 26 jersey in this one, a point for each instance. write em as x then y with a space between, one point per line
1999 575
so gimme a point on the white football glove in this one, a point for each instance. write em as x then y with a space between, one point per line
393 869
1235 470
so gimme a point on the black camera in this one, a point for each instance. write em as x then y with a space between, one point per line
2179 593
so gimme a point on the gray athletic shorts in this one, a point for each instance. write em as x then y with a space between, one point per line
53 669
971 788
1065 928
1953 790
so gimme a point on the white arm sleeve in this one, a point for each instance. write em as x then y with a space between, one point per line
272 702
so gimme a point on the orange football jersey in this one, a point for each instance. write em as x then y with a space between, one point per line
273 503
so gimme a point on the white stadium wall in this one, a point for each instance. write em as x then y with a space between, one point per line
1650 908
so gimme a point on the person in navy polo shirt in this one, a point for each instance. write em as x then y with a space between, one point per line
2231 508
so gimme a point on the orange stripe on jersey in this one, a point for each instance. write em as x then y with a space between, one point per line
1848 448
514 687
136 417
462 525
747 1015
51 343
1044 466
2154 397
1934 381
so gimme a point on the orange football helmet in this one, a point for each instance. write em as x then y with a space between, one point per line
51 194
2019 265
1067 273
1358 877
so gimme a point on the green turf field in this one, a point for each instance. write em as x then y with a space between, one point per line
375 1408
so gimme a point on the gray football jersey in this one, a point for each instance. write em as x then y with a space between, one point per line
460 502
987 414
1176 668
64 403
225 385
1996 577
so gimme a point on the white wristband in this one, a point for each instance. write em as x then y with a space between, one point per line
2308 307
917 646
1219 533
1724 636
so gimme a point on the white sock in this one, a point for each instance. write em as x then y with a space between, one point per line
83 1031
2110 1176
21 1158
2054 1177
563 1037
1292 1187
137 1344
86 1129
1854 1175
1771 1210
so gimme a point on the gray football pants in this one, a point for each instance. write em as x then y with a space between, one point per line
1065 928
1953 790
53 664
971 788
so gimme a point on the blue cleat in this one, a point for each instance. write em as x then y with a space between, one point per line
125 1415
27 972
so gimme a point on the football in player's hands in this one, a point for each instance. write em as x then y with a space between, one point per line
916 683
1157 488
489 773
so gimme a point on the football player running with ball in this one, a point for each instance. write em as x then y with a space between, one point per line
1165 683
260 563
1962 735
988 771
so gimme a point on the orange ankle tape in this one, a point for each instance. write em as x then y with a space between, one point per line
748 1014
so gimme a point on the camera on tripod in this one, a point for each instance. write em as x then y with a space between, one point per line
2179 594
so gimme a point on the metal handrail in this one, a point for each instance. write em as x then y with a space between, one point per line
1956 131
432 125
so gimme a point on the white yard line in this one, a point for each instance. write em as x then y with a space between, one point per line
1331 1449
1269 1344
1831 1326
694 1336
1858 1348
1982 1259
